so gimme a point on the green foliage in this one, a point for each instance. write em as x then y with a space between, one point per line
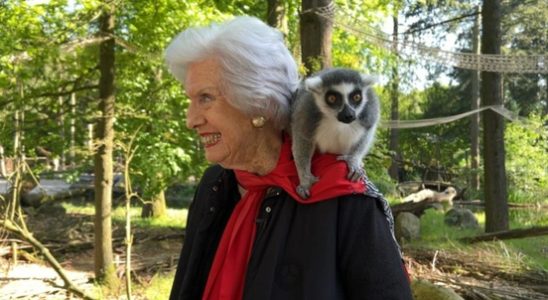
524 29
526 145
150 102
376 166
349 49
440 148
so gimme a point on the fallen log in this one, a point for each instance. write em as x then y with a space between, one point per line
416 208
417 203
511 205
447 195
408 187
507 234
36 198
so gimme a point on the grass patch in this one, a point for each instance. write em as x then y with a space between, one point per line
175 217
515 254
85 209
435 234
158 288
534 250
530 217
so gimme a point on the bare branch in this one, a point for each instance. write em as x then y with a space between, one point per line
25 235
67 92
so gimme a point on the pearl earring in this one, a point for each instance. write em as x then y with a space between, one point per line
258 122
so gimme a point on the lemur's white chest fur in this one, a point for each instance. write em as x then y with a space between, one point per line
337 137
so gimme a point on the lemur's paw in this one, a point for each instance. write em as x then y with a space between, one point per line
355 170
303 192
304 187
355 174
343 157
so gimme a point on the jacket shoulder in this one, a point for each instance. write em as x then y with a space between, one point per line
212 173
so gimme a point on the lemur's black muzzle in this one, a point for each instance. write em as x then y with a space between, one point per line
346 115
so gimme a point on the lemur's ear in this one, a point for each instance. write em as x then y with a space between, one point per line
313 84
369 79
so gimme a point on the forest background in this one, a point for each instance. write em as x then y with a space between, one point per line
56 55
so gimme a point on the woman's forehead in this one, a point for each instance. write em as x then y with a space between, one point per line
202 75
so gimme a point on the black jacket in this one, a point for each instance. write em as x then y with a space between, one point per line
335 249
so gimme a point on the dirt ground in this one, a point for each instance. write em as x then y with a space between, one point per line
70 239
477 278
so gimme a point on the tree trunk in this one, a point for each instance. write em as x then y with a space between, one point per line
59 162
316 32
105 270
394 144
496 196
275 13
17 133
90 137
475 119
19 136
156 207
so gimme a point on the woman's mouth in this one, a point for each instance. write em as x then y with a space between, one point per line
210 139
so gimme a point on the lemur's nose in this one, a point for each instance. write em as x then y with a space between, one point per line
346 115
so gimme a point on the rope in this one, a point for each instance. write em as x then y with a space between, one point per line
536 64
402 124
327 12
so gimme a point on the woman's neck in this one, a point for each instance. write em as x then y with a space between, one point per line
266 155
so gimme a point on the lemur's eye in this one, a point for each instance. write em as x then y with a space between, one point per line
331 98
357 97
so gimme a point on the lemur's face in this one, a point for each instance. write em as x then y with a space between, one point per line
346 100
340 94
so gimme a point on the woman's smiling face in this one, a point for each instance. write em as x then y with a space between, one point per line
225 132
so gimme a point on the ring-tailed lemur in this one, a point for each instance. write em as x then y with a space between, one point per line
334 111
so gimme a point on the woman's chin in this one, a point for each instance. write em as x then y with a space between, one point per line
214 157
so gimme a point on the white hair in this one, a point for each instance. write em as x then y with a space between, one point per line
258 73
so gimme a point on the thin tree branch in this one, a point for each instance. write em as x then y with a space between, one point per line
25 235
65 93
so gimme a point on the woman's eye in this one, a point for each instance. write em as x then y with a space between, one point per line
206 98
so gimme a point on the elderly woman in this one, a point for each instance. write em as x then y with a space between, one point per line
249 235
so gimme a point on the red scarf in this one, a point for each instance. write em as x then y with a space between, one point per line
227 274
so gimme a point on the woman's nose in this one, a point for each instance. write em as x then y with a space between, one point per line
194 117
